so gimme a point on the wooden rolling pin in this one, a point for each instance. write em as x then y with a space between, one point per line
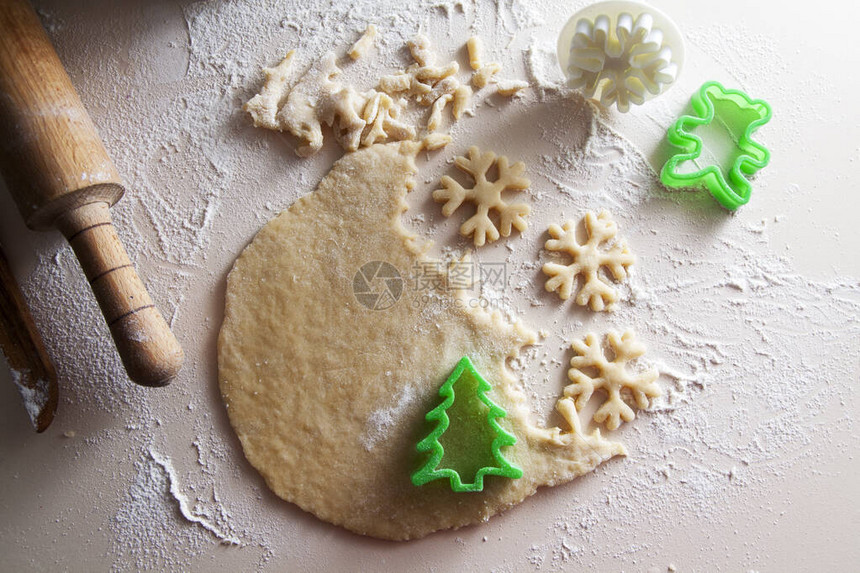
32 370
61 177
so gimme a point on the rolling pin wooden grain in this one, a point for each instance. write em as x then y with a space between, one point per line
61 177
32 370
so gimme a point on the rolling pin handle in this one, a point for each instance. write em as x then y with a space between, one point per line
151 354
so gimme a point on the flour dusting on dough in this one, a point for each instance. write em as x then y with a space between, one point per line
381 421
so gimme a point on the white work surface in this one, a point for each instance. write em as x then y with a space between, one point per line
749 461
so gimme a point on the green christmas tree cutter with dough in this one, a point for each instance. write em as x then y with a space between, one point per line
466 421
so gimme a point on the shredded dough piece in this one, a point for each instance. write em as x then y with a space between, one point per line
381 113
475 47
395 83
486 73
436 114
299 114
446 86
419 47
486 195
363 44
510 88
328 397
357 119
613 376
432 74
263 107
462 96
588 259
434 141
341 112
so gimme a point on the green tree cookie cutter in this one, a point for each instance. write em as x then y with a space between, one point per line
753 156
467 443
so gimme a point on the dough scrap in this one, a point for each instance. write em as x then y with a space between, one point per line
341 111
358 119
434 141
486 195
510 88
300 115
263 107
483 73
363 44
588 259
475 49
381 113
486 73
419 47
614 376
429 84
328 396
435 121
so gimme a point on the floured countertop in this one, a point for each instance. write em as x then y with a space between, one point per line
748 461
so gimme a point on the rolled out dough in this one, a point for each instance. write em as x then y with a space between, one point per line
328 396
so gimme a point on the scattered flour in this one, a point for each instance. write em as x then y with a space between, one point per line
150 527
184 506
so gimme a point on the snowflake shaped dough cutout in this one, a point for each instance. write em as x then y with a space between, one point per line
486 195
615 377
588 259
626 65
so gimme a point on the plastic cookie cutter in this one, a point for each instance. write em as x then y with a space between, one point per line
620 52
466 422
740 116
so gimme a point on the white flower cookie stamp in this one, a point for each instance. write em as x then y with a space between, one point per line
620 52
601 250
